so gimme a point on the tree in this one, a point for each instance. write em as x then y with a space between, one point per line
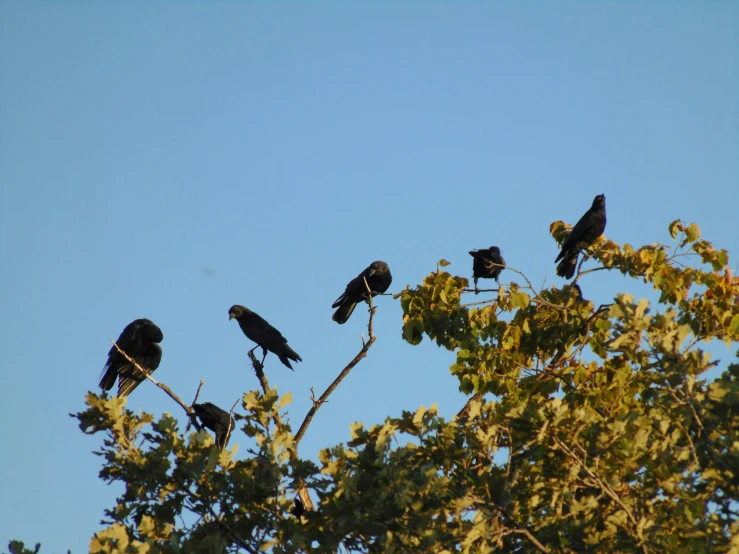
588 429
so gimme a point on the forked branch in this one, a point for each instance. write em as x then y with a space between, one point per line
366 345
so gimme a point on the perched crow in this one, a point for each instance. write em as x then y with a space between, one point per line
378 278
483 265
298 508
217 420
589 228
139 340
261 332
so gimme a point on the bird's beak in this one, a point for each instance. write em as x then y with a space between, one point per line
230 317
372 272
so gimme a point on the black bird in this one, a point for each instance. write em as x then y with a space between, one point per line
298 508
139 340
590 227
217 420
378 278
483 265
261 332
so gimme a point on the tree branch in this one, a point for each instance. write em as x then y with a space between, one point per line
259 370
302 488
597 481
197 393
532 538
191 419
344 372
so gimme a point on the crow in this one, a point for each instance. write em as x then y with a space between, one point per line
298 508
217 420
590 227
483 265
378 278
139 340
261 332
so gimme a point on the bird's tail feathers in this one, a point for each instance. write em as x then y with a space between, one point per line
342 314
567 266
107 378
130 379
127 384
285 360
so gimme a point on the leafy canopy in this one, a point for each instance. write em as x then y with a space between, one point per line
588 429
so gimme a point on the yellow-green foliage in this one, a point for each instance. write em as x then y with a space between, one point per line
591 429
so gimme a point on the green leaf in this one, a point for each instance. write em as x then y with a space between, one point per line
674 228
722 259
285 400
444 263
520 300
734 325
693 232
147 526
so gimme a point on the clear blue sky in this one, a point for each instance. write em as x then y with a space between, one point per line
168 160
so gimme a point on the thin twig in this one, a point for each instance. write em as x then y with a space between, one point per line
479 290
197 393
230 421
596 480
581 273
490 301
162 386
191 420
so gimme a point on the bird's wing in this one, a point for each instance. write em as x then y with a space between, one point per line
127 339
355 291
149 359
261 332
210 414
340 300
126 342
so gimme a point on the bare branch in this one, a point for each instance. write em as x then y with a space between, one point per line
479 290
344 372
593 270
191 420
489 301
230 423
162 386
197 393
259 370
301 487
